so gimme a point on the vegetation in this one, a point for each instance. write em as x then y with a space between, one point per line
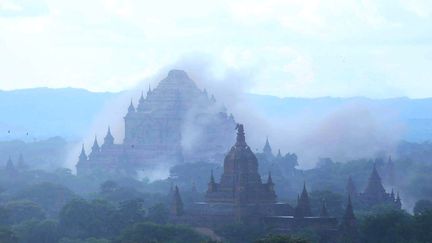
281 239
40 206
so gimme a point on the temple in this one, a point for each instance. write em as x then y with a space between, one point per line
175 122
241 196
374 193
240 182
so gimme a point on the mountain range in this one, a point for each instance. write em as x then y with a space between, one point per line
39 113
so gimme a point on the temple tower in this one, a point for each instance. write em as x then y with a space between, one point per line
267 150
109 139
324 211
177 203
375 190
240 181
351 188
83 155
303 208
348 227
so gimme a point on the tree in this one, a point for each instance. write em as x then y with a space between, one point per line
334 202
108 187
128 213
7 236
158 214
23 210
388 227
423 226
82 219
89 240
37 231
281 239
149 232
241 232
4 216
51 197
422 206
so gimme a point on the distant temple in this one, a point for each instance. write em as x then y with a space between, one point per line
175 122
374 193
240 181
241 196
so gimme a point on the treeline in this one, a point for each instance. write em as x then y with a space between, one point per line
92 221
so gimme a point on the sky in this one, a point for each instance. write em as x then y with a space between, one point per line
300 48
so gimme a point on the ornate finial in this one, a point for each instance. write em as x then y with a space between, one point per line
177 203
212 180
241 140
131 107
109 139
269 179
324 212
267 148
83 155
279 155
142 97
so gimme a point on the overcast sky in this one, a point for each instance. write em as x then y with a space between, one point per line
304 48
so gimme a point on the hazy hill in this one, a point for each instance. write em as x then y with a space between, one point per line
68 112
44 112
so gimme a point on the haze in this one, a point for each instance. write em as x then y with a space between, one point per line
295 48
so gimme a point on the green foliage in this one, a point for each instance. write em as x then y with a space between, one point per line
116 194
281 239
388 227
129 212
158 214
108 186
51 197
149 232
23 210
241 232
89 240
7 236
82 219
335 202
37 231
422 206
4 216
423 226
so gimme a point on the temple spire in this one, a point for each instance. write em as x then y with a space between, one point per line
212 184
131 107
109 139
279 155
212 180
142 97
83 155
269 179
398 201
95 147
349 211
21 164
348 226
351 188
241 140
390 172
177 203
267 148
10 165
374 187
303 207
324 212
